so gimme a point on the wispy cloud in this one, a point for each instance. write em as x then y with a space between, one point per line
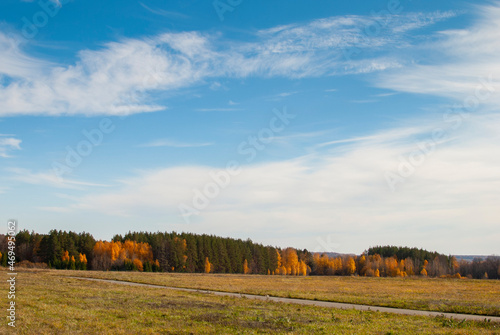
17 64
8 144
348 31
347 140
122 77
393 135
333 189
280 96
466 59
174 144
383 95
287 94
302 137
48 179
164 13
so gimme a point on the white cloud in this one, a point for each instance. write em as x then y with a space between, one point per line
295 138
383 95
48 179
8 144
280 96
122 77
110 81
466 59
340 191
15 63
164 13
348 31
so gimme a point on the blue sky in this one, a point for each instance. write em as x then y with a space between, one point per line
330 126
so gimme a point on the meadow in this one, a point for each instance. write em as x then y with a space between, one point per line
467 296
50 303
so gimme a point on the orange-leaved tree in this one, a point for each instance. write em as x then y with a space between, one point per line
65 256
246 269
117 255
424 271
350 266
208 265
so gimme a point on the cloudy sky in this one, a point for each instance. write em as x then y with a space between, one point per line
330 126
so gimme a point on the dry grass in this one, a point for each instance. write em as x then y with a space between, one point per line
480 297
51 304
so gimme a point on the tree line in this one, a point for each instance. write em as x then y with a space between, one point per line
195 253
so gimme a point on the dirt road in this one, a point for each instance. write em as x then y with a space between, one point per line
309 302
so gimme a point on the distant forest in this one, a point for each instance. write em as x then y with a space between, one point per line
192 253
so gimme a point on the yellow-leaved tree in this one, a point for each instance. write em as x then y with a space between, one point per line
113 254
424 271
290 261
208 265
246 269
278 261
65 256
303 269
138 264
361 265
391 267
350 266
83 258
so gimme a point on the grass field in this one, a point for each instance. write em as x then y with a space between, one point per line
480 297
51 304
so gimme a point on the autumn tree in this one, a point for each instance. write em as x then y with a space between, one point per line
186 252
138 264
208 265
246 269
290 261
391 267
409 267
350 266
362 265
304 269
65 256
121 256
423 272
83 261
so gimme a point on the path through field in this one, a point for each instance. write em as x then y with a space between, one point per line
338 305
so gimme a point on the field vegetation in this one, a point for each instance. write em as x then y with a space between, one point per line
468 296
52 304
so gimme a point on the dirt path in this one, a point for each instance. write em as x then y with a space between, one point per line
309 302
